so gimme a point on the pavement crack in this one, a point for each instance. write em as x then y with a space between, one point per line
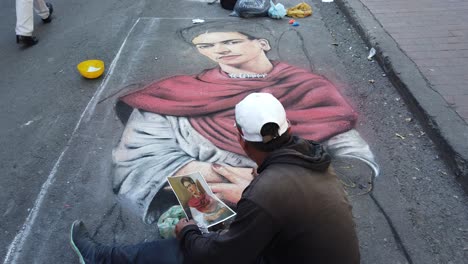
104 219
302 44
396 236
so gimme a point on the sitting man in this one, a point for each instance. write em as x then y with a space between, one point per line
293 211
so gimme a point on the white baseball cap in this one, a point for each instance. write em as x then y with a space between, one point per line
256 110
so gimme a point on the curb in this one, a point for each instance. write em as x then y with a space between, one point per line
444 126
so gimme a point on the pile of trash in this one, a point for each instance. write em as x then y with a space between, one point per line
257 8
262 8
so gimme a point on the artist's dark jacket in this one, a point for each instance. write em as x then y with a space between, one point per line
294 211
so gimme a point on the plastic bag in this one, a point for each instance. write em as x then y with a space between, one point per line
276 11
300 10
168 221
251 8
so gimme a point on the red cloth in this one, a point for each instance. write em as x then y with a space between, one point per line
202 204
315 108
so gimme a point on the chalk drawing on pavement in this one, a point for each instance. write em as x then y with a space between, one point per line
184 123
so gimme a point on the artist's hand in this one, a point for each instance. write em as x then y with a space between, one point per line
203 167
181 224
238 178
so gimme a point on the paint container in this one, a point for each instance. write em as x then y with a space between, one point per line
91 69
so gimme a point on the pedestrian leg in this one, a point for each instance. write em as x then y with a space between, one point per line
41 8
24 18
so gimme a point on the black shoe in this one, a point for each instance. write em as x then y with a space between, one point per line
26 40
85 247
51 10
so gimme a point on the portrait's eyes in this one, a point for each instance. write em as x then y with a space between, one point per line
203 46
233 41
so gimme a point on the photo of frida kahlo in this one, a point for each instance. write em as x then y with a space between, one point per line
198 201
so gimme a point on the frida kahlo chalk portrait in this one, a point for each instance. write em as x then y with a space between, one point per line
184 123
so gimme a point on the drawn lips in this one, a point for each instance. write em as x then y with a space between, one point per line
228 57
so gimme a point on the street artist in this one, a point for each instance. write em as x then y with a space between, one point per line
294 211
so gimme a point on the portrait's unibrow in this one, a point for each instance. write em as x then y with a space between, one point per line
253 31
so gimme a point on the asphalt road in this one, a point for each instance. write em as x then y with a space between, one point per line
58 130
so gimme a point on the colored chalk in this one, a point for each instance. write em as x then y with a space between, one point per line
292 21
295 24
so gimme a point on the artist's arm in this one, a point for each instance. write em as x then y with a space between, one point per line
225 181
252 230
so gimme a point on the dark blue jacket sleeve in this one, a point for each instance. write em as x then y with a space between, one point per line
250 233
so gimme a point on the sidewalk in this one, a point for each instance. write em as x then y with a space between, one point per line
423 47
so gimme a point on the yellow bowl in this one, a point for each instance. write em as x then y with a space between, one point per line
91 69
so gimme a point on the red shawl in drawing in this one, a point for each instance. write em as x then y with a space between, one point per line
315 108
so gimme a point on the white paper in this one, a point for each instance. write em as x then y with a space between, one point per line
372 52
198 21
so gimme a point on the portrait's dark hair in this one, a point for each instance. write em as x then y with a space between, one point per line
186 179
251 30
269 131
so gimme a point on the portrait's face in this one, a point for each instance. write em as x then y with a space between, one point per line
192 188
230 48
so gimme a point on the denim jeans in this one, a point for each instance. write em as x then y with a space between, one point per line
161 251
